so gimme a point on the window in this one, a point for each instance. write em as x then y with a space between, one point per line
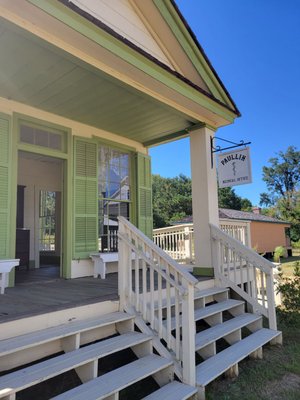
42 136
47 220
114 188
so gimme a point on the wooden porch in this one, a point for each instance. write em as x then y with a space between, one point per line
40 291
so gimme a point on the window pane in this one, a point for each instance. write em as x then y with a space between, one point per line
114 186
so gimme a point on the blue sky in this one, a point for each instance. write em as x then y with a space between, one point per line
254 45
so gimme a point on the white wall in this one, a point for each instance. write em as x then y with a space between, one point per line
120 16
37 174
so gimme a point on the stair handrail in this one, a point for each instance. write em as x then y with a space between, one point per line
249 274
161 291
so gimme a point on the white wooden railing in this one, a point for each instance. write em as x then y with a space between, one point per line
178 240
246 272
162 291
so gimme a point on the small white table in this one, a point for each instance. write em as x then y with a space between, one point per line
100 260
5 267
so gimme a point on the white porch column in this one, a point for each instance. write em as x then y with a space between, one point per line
204 194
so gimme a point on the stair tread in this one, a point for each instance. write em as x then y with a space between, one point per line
32 339
209 310
212 309
117 379
198 294
209 292
173 391
39 372
216 332
214 366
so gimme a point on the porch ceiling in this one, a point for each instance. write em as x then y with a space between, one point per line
38 74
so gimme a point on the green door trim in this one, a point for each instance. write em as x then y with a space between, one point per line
67 158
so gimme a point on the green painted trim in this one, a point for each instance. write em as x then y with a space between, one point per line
132 152
133 176
67 211
111 143
191 49
165 139
31 148
67 157
175 135
12 193
104 39
49 126
203 271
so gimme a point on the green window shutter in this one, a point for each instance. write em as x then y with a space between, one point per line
4 186
85 198
144 195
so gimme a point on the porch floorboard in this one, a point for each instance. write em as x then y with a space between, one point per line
48 295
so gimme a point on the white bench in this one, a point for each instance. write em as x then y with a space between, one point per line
5 267
100 260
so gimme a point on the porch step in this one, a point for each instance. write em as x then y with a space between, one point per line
173 391
19 380
215 366
209 311
114 381
36 338
210 292
219 331
198 294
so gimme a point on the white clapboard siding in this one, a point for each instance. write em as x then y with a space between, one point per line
213 367
173 391
42 371
116 380
121 17
36 338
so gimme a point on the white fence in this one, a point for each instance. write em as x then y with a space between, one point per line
178 240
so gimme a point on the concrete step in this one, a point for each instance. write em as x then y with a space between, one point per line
36 338
219 331
85 356
215 366
116 380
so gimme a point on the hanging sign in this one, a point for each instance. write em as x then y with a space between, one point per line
234 168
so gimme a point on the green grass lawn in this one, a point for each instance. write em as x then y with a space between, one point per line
276 377
288 265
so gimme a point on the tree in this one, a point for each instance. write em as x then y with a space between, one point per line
283 182
172 199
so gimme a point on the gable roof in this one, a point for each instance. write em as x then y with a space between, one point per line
213 87
248 216
226 213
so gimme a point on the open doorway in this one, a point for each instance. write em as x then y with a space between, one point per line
39 217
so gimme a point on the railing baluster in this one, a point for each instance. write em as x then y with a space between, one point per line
177 318
169 314
151 293
144 295
262 288
248 277
160 314
137 281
